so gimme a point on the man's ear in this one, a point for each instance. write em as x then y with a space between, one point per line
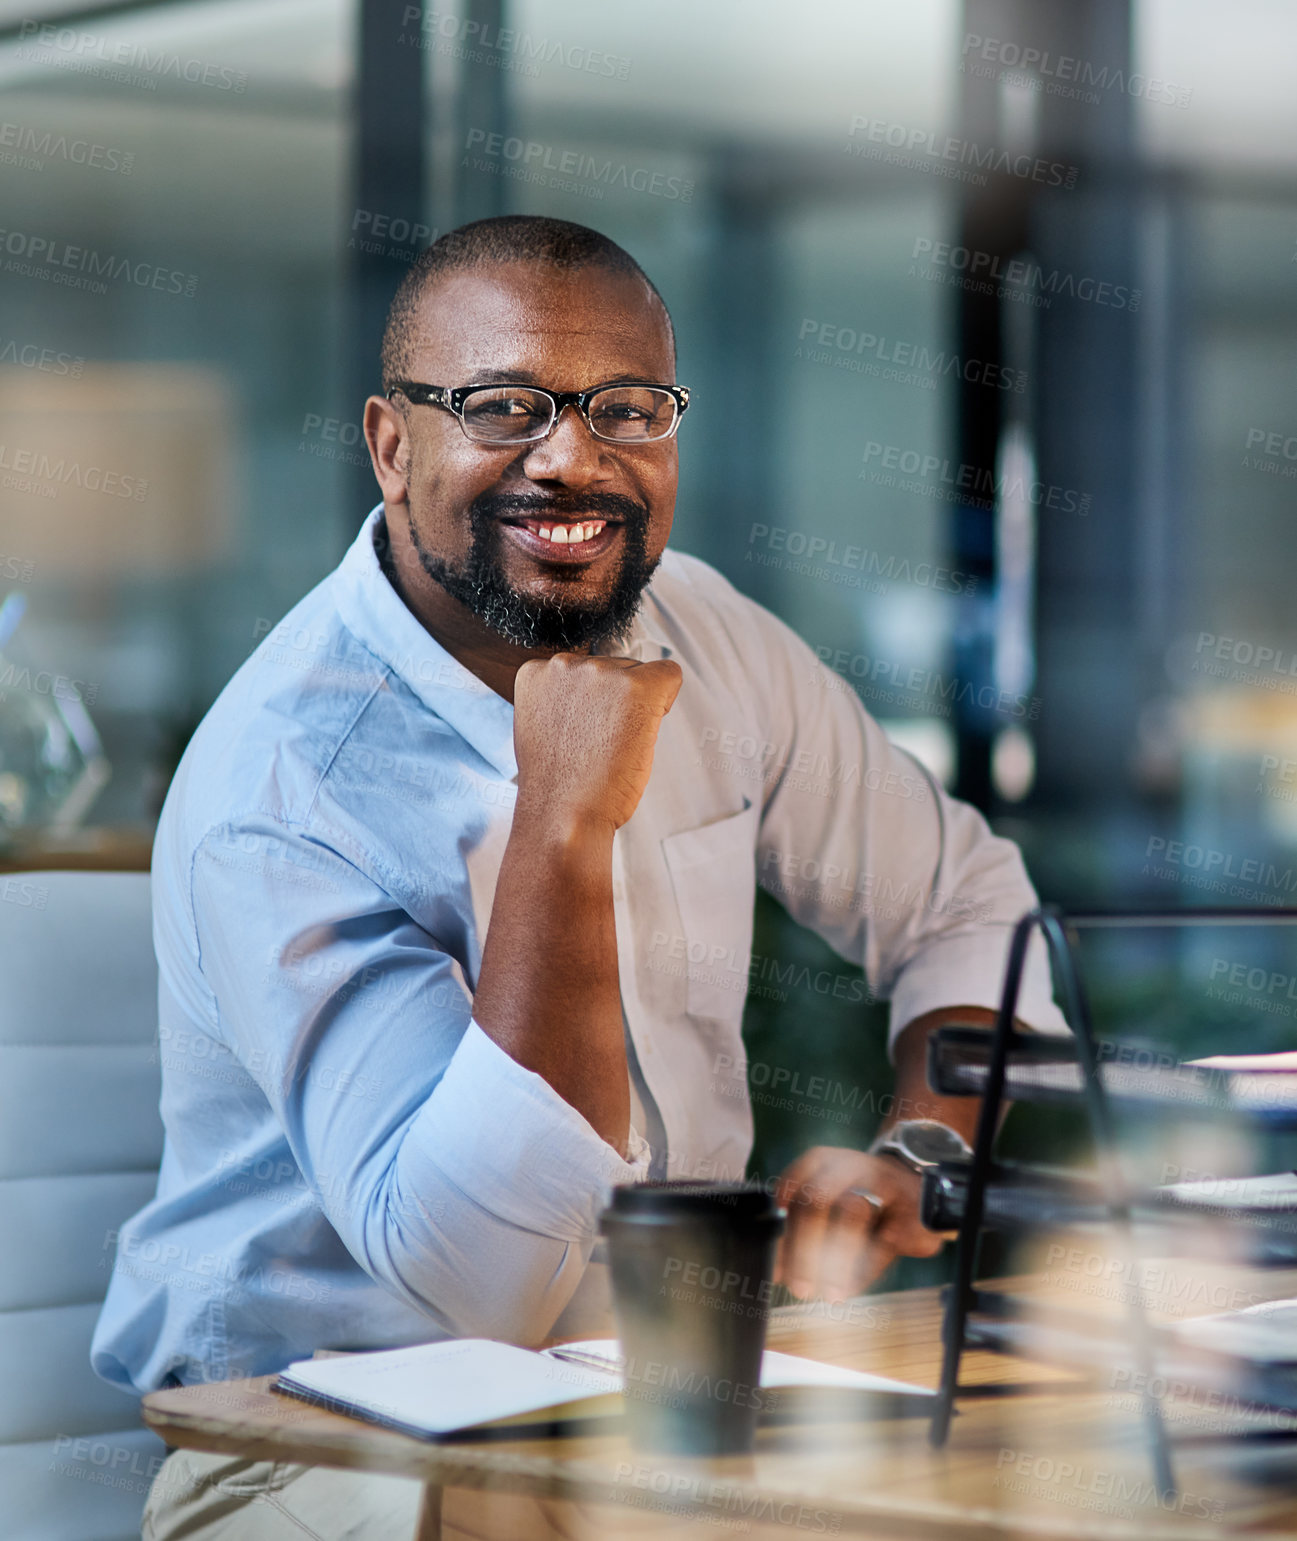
389 448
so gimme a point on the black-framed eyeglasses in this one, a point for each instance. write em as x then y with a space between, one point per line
620 411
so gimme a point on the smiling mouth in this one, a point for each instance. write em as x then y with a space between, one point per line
556 533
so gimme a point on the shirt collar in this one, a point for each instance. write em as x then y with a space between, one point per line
376 614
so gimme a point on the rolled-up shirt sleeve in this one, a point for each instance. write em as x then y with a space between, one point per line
454 1176
861 844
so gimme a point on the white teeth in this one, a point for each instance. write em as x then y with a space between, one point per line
569 534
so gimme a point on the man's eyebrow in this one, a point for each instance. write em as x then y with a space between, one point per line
622 379
527 377
504 377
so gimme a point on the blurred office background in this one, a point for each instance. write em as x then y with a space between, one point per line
989 310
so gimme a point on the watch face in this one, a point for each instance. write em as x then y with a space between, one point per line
929 1142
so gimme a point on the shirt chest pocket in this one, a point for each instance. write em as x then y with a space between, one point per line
713 877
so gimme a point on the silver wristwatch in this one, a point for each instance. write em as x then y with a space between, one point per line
921 1143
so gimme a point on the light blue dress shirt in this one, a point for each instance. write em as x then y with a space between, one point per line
350 1161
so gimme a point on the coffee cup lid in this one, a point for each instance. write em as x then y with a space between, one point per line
683 1200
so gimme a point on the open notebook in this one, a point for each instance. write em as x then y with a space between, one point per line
472 1387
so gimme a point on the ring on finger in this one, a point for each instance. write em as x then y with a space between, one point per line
869 1198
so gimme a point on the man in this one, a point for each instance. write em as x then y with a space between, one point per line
388 1121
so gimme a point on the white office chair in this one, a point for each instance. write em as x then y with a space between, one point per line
80 1142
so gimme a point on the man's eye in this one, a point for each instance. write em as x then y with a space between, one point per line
622 412
504 406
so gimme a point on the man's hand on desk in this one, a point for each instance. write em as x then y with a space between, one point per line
837 1241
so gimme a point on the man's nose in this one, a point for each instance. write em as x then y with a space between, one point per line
571 454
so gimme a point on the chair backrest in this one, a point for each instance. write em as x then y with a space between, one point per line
80 1142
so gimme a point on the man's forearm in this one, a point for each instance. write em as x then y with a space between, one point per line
548 993
914 1098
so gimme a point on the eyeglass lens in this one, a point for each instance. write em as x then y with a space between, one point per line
503 414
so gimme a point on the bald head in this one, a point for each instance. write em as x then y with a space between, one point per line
512 238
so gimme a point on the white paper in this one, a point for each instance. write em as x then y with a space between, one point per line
1285 1063
777 1370
1257 1082
1275 1190
1266 1333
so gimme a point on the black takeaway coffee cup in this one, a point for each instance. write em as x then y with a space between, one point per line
691 1279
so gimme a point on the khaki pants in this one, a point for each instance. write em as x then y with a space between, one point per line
218 1498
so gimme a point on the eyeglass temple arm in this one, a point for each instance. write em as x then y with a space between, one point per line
427 395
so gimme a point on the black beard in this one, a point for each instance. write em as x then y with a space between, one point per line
482 586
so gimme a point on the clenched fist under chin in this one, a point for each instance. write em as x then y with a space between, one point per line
584 730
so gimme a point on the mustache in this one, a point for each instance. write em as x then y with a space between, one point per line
491 507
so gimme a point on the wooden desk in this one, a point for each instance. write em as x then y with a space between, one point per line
94 849
1050 1461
